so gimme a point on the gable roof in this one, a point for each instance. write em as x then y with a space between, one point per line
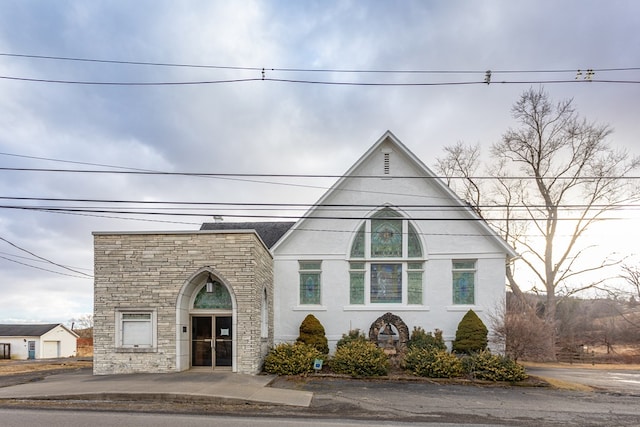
28 330
269 232
389 137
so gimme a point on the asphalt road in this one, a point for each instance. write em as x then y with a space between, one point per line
22 418
379 402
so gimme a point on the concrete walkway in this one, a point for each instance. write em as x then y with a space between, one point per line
137 386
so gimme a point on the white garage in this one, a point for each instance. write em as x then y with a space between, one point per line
37 341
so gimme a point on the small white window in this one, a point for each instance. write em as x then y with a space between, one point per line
136 329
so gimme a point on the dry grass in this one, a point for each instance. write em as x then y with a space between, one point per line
11 367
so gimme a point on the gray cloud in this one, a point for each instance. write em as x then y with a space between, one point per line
263 127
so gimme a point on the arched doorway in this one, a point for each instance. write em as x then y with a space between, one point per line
206 323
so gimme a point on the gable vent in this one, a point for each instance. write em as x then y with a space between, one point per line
386 163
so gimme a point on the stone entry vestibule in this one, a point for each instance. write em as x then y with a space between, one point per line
167 302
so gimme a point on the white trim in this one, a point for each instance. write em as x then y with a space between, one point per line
119 312
379 307
463 308
309 308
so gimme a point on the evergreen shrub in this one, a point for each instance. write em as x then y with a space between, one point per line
291 359
421 339
432 363
353 335
471 336
312 333
493 367
360 358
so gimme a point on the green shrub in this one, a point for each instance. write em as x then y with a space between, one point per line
471 336
493 367
360 359
432 363
421 339
353 335
312 333
291 359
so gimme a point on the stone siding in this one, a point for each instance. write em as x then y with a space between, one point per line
151 271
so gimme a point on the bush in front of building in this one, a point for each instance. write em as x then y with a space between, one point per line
421 339
432 363
312 333
493 367
353 335
291 359
360 358
471 336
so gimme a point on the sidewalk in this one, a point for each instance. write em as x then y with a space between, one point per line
226 385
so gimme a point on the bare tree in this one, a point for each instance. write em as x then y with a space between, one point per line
519 330
83 325
552 178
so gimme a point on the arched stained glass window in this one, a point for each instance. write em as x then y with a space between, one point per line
357 248
385 247
218 298
413 239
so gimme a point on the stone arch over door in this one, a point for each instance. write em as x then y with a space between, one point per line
184 305
397 322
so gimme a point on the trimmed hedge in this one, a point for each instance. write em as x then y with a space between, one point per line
360 359
493 367
471 335
312 333
353 335
432 363
291 359
421 339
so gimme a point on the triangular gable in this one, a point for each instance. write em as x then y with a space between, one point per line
388 136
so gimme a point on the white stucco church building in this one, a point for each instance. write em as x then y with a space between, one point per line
388 244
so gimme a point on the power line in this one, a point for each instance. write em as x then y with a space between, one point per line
86 276
312 82
312 70
201 205
282 216
43 258
311 176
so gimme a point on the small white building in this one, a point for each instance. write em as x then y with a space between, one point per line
37 341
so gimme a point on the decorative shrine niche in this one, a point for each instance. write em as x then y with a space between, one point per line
390 333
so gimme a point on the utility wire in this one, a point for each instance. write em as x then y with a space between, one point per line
309 70
85 276
312 82
44 259
267 175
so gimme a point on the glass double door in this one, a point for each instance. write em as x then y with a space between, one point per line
211 341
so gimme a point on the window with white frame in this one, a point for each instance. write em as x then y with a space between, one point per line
464 281
310 283
386 262
136 329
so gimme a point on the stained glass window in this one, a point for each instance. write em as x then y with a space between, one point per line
386 283
310 282
356 280
357 248
372 280
414 277
218 298
464 277
386 238
413 240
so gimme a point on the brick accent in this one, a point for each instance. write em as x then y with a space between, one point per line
150 270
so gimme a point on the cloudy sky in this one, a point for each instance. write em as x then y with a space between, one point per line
228 120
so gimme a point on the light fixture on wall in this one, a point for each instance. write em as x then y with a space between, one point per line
209 284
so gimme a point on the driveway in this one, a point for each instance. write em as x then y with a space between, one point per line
614 379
